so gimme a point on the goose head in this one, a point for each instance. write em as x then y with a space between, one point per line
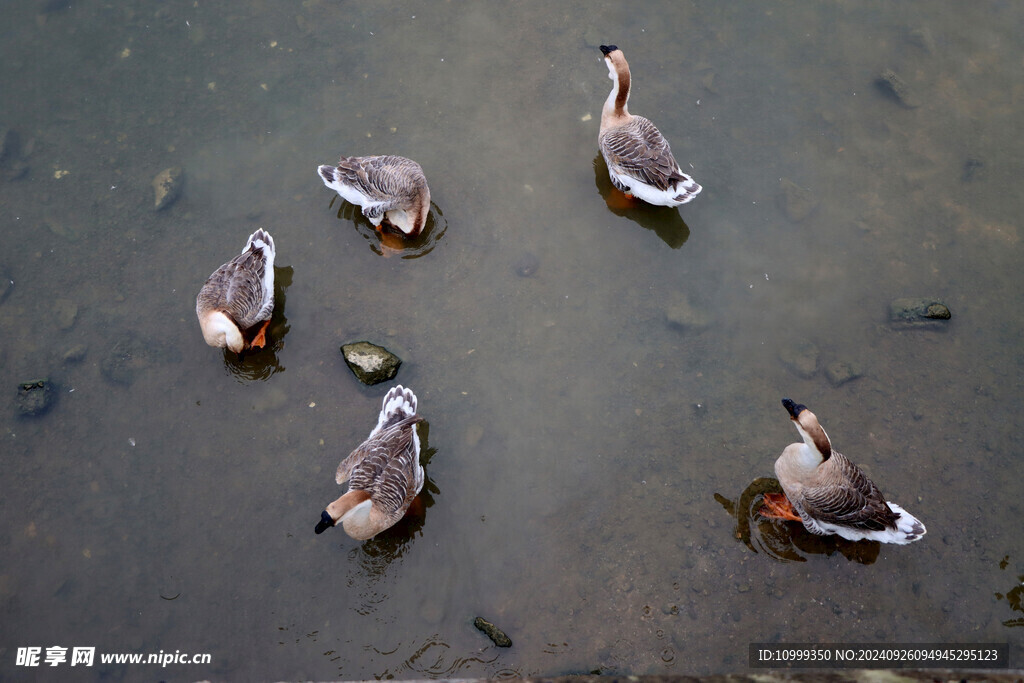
618 72
615 61
353 511
220 330
810 429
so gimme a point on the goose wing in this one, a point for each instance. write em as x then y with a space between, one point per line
846 497
237 288
638 149
391 180
387 465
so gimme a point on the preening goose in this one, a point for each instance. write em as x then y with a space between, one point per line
387 187
639 159
830 494
239 296
383 473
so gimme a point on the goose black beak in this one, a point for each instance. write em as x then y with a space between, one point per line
607 49
325 522
793 407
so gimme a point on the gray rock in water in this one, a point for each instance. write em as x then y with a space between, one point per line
167 187
681 314
132 353
6 285
796 202
36 396
890 83
12 153
66 312
76 354
800 358
527 265
840 372
370 363
493 632
8 143
918 311
922 38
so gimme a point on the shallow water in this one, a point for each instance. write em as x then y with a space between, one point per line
576 439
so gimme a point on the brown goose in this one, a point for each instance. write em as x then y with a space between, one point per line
830 494
383 473
639 159
239 295
387 187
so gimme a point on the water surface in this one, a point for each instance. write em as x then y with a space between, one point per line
576 436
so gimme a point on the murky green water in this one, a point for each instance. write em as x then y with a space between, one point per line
576 437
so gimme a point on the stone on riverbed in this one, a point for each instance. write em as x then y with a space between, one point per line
370 363
890 82
12 155
796 202
681 314
527 264
800 358
167 187
840 372
493 632
66 312
132 353
76 354
6 285
918 311
36 396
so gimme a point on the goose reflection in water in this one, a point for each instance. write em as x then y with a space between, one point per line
665 221
387 242
782 540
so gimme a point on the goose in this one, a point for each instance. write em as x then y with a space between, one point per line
383 473
387 187
239 295
830 494
639 159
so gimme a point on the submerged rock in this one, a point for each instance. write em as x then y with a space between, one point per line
6 285
922 38
971 167
840 372
800 358
890 82
36 396
167 187
132 353
796 202
12 155
8 143
681 314
370 363
918 311
66 312
76 354
493 632
527 265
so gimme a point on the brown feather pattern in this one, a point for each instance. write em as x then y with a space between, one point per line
394 180
638 149
237 288
842 494
387 466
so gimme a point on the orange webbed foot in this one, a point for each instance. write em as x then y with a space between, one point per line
777 506
617 199
391 243
260 340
